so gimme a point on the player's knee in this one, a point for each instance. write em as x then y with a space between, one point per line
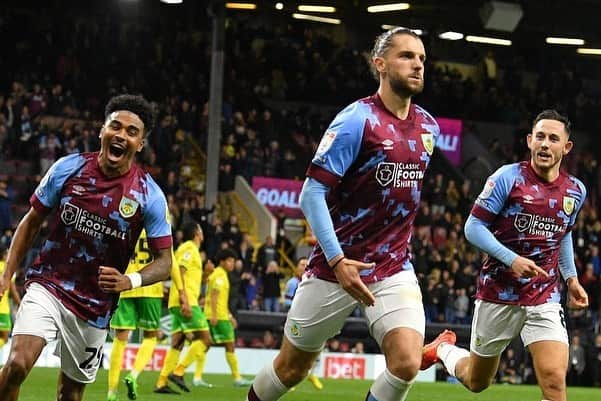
478 386
17 369
405 369
291 372
552 380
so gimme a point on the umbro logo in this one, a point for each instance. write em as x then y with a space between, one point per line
528 198
387 144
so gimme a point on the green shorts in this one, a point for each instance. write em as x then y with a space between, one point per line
223 332
198 321
5 322
132 313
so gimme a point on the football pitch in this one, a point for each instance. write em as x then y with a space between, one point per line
41 386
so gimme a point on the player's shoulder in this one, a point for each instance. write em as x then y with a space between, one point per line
509 171
577 186
71 162
356 113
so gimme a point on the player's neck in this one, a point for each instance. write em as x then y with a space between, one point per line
549 175
112 172
397 105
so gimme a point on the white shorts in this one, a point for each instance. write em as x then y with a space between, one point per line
320 308
79 345
495 325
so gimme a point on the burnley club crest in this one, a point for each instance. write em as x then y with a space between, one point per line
127 207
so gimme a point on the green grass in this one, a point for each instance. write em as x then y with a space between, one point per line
41 385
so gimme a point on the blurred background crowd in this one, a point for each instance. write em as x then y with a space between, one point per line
283 84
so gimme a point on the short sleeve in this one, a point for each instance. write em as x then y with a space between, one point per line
47 195
339 145
491 200
156 218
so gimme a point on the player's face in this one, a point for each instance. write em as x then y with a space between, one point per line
403 65
121 137
229 263
300 267
548 143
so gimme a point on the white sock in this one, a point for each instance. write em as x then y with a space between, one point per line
388 387
267 385
450 355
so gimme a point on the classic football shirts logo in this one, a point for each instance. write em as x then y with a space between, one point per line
88 223
399 175
535 224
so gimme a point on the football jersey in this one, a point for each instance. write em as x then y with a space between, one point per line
187 255
218 281
529 216
97 221
374 164
141 257
4 302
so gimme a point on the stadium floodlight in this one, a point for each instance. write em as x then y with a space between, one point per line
315 18
241 6
316 9
564 41
279 6
172 1
589 50
387 27
488 40
450 35
382 8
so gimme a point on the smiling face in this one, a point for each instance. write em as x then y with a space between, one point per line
121 137
548 143
402 65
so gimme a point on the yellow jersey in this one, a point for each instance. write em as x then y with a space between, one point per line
4 304
142 256
187 256
220 283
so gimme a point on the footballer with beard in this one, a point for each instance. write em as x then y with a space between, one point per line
360 197
98 203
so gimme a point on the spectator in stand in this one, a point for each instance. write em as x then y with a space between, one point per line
246 252
271 287
235 277
49 148
294 281
266 253
232 233
509 368
6 198
577 362
595 358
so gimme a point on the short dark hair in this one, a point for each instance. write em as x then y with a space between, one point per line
383 43
135 104
189 230
552 114
298 260
224 254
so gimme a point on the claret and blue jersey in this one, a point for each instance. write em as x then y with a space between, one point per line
374 164
531 217
97 221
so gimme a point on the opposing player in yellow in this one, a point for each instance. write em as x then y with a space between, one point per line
220 319
187 318
5 320
137 308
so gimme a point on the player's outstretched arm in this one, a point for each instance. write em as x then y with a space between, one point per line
26 232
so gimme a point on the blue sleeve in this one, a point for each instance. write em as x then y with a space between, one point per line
156 215
341 142
49 188
314 206
567 266
580 197
477 233
497 188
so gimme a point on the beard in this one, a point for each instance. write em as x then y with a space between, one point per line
402 88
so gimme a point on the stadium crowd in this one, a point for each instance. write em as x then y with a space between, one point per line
54 72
